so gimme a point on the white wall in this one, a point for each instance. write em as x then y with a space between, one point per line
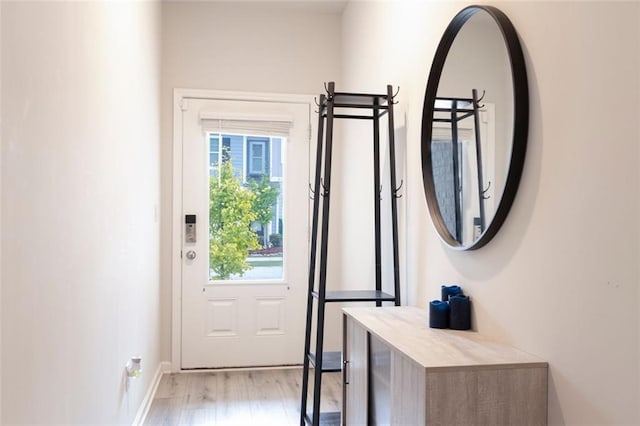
0 212
80 189
244 46
560 280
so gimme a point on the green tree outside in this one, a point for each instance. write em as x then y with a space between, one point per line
266 196
231 212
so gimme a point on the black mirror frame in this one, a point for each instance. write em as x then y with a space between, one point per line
520 124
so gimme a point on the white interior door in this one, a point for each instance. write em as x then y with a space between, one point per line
255 317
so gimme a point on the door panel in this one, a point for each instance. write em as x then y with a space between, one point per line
246 319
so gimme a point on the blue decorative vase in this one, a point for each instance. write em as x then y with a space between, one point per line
448 291
438 314
460 315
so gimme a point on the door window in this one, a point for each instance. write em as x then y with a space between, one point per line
246 223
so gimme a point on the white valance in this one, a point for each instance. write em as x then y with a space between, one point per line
249 124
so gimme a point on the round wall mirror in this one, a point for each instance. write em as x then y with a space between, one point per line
474 127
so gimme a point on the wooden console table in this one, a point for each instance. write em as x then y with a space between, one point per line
399 371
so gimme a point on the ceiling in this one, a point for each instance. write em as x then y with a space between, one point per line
317 6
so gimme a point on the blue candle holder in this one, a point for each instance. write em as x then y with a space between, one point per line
449 291
439 314
460 316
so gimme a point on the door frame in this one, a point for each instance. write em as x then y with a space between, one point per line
176 209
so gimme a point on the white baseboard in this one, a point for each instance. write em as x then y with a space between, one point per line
141 415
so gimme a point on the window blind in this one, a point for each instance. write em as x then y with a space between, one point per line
249 124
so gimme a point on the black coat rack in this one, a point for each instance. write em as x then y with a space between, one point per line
458 109
338 105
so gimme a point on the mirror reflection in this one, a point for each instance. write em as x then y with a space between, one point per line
472 128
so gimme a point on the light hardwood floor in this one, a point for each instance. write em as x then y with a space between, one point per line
241 397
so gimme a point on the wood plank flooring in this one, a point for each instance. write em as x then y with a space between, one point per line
240 397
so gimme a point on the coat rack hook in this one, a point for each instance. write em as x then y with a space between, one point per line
478 104
325 190
396 190
312 193
484 191
329 94
396 94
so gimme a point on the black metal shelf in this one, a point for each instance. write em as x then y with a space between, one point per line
360 106
331 361
363 100
326 419
356 296
378 104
